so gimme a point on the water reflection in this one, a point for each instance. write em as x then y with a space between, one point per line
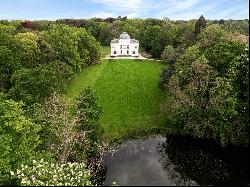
186 160
176 161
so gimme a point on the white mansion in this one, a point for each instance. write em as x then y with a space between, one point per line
124 46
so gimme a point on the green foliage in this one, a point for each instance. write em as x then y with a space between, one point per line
87 44
58 135
166 74
88 113
207 93
71 131
199 25
27 50
165 37
185 34
42 173
46 52
18 138
148 35
221 55
169 55
34 85
8 60
73 46
210 35
241 26
64 41
7 67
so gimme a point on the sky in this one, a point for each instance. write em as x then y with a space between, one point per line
172 9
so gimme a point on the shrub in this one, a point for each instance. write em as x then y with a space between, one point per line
18 138
43 173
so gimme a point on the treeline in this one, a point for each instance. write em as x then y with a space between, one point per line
46 139
35 64
208 86
153 34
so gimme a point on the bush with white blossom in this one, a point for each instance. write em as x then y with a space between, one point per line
43 173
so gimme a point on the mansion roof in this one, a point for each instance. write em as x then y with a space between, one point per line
123 36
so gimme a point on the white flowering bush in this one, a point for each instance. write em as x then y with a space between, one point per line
53 174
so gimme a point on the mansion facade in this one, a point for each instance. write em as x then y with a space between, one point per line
124 46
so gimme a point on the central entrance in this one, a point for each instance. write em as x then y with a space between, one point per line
125 50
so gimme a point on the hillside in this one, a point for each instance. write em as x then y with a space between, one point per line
128 93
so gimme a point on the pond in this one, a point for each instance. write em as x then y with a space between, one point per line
175 160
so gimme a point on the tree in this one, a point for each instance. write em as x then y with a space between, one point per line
169 55
88 48
27 49
221 21
148 35
46 52
166 74
199 25
28 25
71 131
74 46
64 41
19 138
165 36
209 93
7 66
58 135
8 59
89 112
221 55
210 36
185 34
34 85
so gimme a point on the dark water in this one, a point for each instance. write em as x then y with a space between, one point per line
176 161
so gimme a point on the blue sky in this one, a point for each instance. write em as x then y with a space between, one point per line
173 9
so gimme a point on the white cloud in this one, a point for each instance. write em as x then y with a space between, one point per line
124 5
140 8
229 12
183 4
192 12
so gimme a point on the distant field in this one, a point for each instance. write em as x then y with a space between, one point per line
128 93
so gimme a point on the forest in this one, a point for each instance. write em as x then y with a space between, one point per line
44 133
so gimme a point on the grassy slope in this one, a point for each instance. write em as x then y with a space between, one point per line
128 93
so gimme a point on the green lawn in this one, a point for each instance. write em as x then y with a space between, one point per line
128 93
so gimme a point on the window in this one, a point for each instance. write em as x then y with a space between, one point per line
120 46
127 52
133 52
136 46
121 51
114 52
127 46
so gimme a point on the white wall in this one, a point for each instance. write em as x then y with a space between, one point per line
123 51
